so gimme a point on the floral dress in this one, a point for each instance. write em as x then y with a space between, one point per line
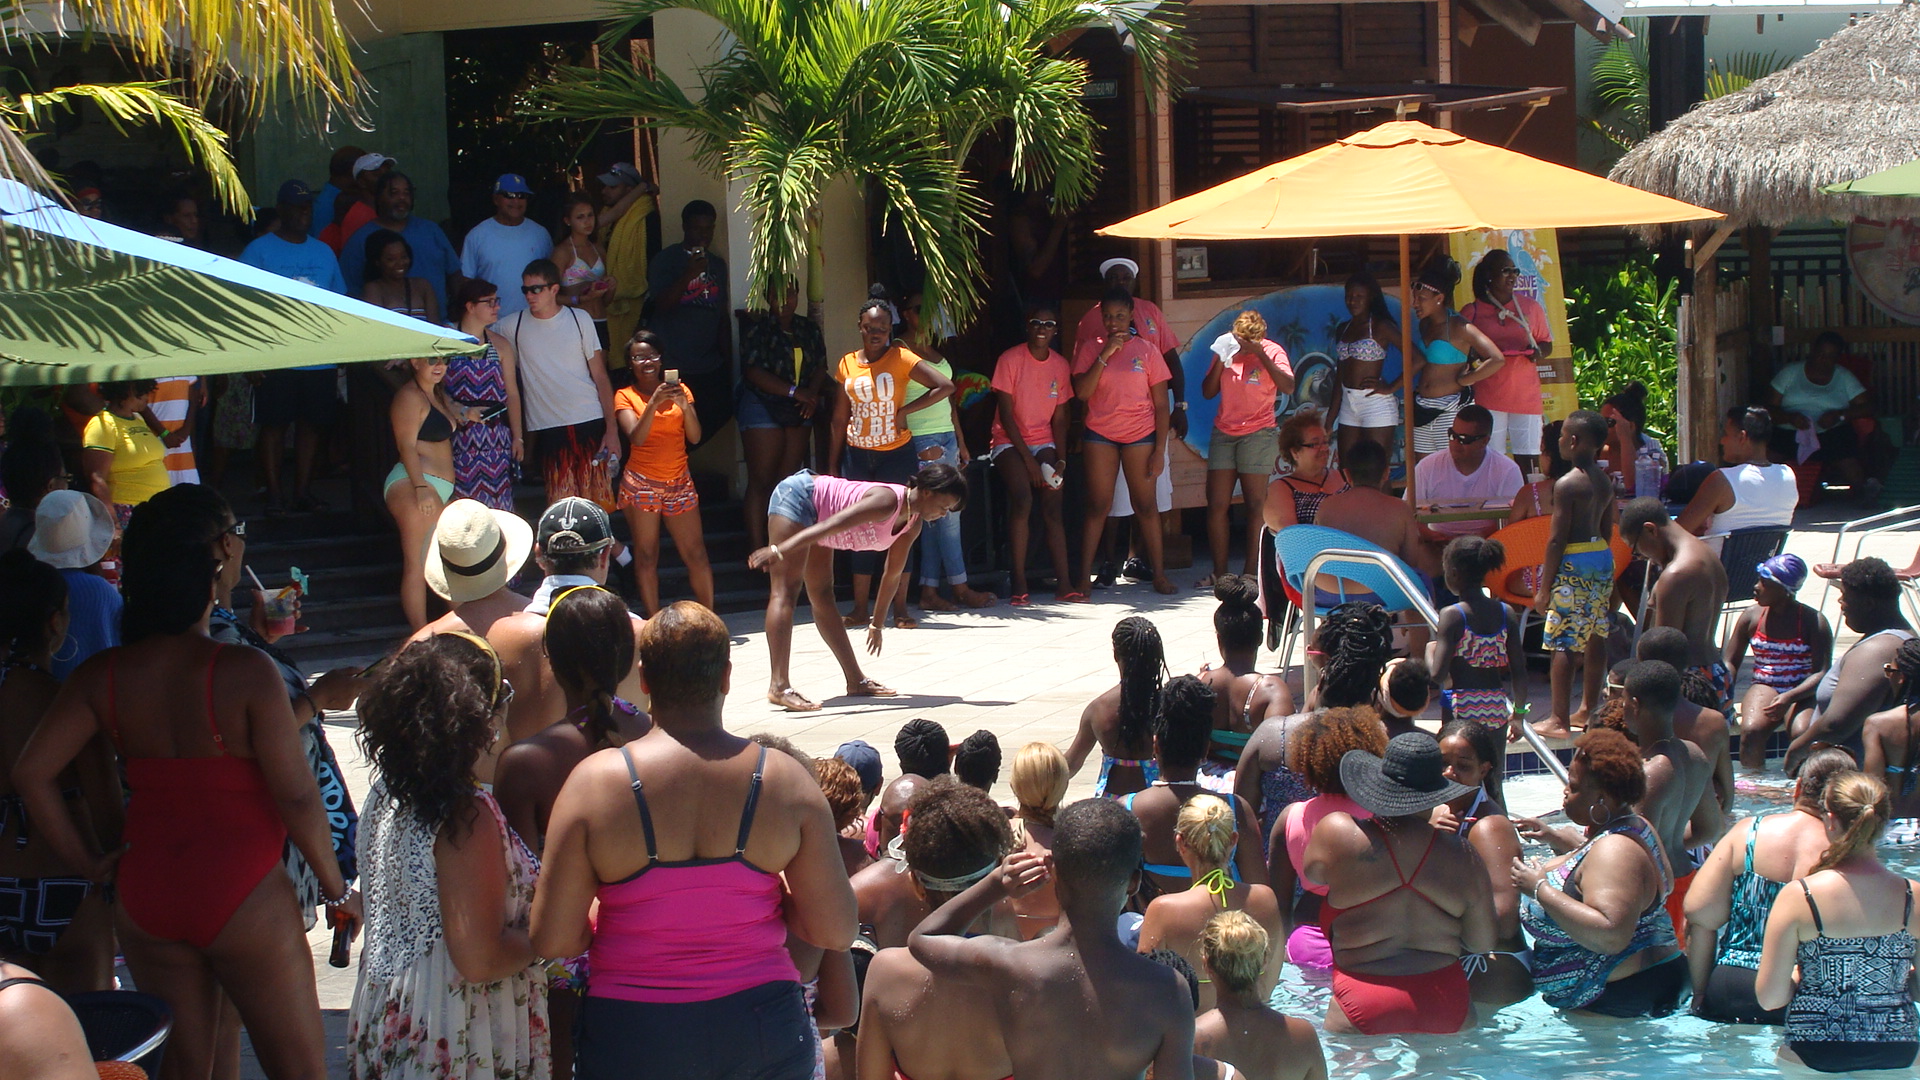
483 452
413 1014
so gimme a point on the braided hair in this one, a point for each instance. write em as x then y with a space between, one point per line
1354 643
1907 662
589 643
1183 723
1143 663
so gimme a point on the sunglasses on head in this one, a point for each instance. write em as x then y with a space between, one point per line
1463 438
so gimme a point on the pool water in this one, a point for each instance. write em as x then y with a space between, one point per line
1533 1041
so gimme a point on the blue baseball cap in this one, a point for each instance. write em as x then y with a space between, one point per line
865 760
295 193
511 184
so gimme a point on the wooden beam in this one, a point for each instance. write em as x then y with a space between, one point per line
1519 19
1466 24
1705 252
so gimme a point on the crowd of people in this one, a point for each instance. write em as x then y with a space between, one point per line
567 865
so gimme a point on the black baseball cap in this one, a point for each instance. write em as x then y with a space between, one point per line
574 526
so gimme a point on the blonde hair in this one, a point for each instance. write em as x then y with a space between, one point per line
1250 324
1039 781
1206 825
1234 948
1861 805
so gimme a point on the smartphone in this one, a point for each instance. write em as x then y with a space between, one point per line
671 375
375 666
493 414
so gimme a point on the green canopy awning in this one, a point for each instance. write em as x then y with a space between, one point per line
82 300
1899 182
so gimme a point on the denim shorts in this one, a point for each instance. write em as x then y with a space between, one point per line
751 411
792 499
1093 436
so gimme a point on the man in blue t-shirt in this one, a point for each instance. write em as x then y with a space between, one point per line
433 255
304 396
498 249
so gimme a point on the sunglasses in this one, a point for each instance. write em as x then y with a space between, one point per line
1463 438
238 528
503 697
1044 324
529 290
1611 421
1321 445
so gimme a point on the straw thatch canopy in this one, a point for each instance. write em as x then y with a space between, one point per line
1848 108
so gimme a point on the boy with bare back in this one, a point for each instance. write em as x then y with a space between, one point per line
1576 581
1689 591
1076 1004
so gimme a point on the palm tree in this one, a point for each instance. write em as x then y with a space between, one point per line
892 93
239 55
1621 81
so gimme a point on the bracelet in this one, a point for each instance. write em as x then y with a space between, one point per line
346 893
1537 886
793 391
777 553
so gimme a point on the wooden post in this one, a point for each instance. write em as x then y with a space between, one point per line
1762 314
1703 376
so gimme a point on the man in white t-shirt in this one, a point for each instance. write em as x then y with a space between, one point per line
1467 472
1750 491
564 390
498 248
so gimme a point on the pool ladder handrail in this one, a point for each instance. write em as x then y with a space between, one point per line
1415 591
1547 757
1885 521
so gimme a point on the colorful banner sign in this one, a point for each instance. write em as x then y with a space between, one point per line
1537 253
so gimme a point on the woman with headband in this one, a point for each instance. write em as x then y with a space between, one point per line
450 986
1792 649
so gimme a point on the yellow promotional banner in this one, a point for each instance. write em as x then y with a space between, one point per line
1537 253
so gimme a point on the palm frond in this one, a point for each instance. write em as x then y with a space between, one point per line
151 103
1741 70
270 50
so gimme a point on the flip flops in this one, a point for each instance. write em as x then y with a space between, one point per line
1074 597
1020 600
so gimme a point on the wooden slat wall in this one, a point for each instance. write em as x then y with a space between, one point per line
1305 44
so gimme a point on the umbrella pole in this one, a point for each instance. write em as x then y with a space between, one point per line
1406 354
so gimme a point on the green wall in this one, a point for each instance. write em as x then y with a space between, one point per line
406 106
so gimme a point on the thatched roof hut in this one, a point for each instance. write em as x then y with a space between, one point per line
1848 108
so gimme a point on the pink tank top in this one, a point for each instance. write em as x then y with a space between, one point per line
832 494
1300 829
694 930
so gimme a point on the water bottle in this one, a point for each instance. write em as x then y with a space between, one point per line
1646 474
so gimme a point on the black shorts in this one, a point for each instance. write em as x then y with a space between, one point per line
1728 998
1652 992
296 397
760 1034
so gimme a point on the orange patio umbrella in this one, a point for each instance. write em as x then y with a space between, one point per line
1404 177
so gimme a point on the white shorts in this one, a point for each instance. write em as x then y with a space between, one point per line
1162 489
994 454
1516 433
1366 409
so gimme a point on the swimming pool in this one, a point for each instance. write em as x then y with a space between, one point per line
1533 1041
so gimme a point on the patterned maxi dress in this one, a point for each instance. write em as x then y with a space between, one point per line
414 1017
482 453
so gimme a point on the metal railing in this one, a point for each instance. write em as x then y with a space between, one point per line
1547 757
1413 590
1886 521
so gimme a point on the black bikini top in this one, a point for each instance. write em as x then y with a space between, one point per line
435 427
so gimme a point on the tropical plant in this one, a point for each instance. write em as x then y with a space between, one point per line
1620 84
244 55
1623 323
892 94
